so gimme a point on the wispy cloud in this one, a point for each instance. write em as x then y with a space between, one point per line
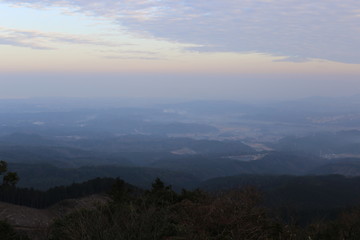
21 39
133 58
303 29
41 40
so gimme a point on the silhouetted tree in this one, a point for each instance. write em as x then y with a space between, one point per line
8 233
10 178
3 167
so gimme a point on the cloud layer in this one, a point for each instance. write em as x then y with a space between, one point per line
39 40
299 30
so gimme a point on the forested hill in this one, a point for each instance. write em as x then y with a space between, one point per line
45 176
296 192
43 199
161 213
305 192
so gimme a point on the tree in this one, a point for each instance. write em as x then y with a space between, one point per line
160 194
7 232
3 167
10 178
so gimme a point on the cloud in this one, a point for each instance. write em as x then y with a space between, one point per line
295 29
21 39
40 40
133 58
133 55
18 43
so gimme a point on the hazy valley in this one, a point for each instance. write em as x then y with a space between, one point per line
298 161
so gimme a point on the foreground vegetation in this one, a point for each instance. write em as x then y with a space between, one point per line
161 213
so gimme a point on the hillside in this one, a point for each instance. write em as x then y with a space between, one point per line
44 176
347 167
272 163
298 192
35 222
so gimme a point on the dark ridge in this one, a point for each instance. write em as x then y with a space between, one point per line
42 199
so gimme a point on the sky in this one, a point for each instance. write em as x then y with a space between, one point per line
228 49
